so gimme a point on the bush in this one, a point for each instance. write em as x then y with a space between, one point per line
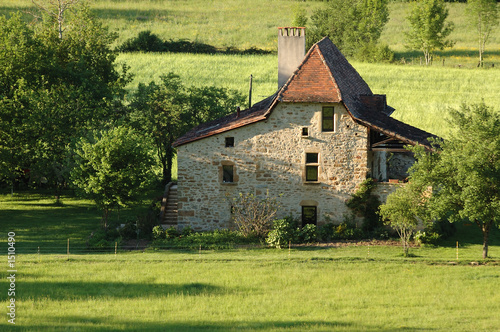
171 233
374 53
103 239
158 233
283 231
308 234
253 215
144 42
218 239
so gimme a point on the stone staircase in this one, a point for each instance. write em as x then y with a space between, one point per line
168 215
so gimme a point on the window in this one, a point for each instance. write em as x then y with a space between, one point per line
312 165
305 131
327 119
309 215
227 173
229 142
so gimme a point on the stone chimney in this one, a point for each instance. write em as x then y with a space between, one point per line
291 51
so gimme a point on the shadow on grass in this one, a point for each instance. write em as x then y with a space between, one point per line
468 234
83 290
82 323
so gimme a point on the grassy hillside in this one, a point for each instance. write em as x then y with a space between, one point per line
242 23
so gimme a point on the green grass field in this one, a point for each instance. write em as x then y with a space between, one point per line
346 288
341 289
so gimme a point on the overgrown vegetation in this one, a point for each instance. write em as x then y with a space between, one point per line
147 41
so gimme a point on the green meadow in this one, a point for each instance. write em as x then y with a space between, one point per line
310 289
358 287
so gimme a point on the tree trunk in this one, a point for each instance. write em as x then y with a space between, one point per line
486 233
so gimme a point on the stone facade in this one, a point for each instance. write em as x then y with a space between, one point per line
270 157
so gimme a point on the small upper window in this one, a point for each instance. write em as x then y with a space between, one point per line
305 131
229 142
227 173
327 119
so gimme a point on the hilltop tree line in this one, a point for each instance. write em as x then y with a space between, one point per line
65 117
355 26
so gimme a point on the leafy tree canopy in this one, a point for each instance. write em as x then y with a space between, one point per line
165 111
52 90
428 27
113 168
464 170
350 24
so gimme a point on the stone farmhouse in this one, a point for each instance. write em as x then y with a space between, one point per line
311 143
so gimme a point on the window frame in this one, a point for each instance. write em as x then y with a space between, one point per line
227 167
229 142
311 163
303 215
325 118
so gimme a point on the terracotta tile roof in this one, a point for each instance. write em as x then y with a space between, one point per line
324 76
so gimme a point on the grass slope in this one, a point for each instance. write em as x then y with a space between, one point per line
339 289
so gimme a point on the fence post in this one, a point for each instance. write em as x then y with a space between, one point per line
68 248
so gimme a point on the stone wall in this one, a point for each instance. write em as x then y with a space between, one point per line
269 156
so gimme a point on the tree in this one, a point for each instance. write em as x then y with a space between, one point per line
113 168
350 24
464 170
403 210
483 16
428 27
168 110
53 90
56 10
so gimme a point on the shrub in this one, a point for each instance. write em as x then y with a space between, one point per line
218 239
172 232
158 233
308 234
326 232
283 231
253 215
374 53
103 239
144 42
367 205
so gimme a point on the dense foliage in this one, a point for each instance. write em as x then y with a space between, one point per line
353 26
164 111
464 171
112 168
52 90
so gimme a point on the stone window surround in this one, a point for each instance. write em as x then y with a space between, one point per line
304 164
310 203
335 119
221 173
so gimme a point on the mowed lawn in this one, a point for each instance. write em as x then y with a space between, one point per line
365 287
311 289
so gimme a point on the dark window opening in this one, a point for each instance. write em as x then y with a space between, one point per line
311 158
327 117
227 173
311 173
309 215
229 142
305 131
